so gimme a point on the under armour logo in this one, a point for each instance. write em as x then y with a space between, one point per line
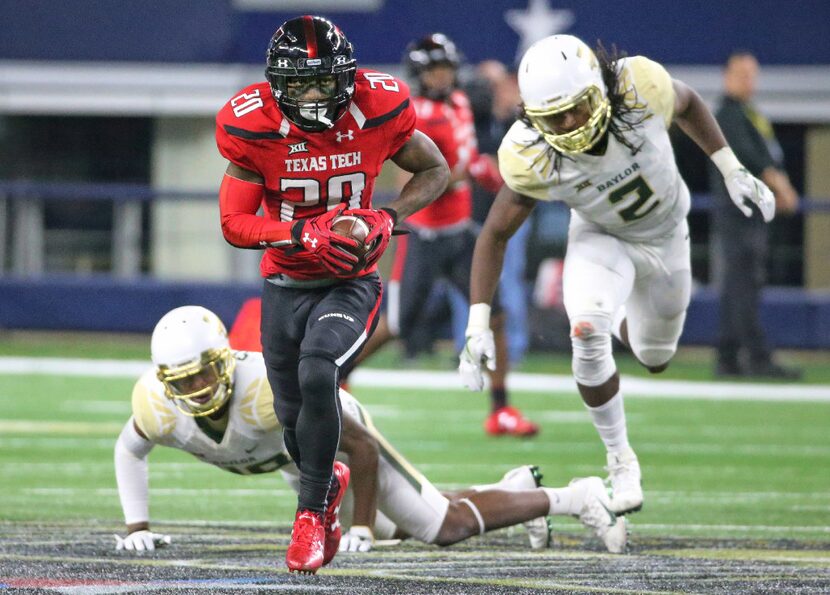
307 239
347 135
298 148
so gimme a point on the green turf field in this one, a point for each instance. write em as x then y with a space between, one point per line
737 488
711 468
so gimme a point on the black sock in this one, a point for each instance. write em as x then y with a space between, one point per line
498 398
313 491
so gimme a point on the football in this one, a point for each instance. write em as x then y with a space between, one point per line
357 229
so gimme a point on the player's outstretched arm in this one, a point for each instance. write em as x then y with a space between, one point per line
697 121
421 157
508 212
131 450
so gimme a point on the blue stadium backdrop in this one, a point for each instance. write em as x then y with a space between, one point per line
231 31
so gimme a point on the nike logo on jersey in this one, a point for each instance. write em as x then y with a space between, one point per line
298 148
619 177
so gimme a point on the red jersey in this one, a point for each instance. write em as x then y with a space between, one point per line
450 126
308 173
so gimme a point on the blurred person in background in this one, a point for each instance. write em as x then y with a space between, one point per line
307 145
202 397
594 134
740 244
443 234
494 112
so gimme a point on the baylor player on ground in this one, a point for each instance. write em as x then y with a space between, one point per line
215 403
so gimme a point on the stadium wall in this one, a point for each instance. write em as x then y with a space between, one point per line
793 318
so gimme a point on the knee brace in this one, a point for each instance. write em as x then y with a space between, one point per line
593 362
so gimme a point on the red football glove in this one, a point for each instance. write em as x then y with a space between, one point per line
381 223
315 235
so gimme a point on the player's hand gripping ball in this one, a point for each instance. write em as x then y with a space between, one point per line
355 228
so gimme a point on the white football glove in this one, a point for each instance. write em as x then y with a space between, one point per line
742 185
140 541
479 348
359 538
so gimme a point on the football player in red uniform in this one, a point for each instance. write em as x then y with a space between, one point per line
307 146
443 234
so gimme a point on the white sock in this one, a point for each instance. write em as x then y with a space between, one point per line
562 501
609 420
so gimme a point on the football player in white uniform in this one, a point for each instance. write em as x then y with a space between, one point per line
594 134
216 403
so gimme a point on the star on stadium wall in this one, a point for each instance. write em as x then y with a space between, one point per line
536 22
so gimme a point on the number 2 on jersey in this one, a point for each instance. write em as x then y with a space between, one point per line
642 191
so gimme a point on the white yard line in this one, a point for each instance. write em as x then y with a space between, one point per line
435 380
742 528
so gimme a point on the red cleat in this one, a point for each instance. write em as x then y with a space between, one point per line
508 420
331 520
305 552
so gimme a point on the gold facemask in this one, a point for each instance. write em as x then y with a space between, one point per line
584 137
203 387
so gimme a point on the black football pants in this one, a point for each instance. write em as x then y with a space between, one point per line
308 335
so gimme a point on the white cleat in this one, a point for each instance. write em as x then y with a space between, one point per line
596 516
528 477
626 489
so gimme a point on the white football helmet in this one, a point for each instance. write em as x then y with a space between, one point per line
559 73
190 350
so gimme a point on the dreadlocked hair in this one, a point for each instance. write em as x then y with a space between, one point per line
627 111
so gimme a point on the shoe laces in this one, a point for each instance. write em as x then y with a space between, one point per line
305 529
621 471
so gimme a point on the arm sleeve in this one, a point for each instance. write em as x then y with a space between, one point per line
239 202
744 140
131 452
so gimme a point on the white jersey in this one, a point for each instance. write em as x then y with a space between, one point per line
637 197
250 443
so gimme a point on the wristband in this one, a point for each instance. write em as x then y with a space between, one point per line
297 231
479 316
725 160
